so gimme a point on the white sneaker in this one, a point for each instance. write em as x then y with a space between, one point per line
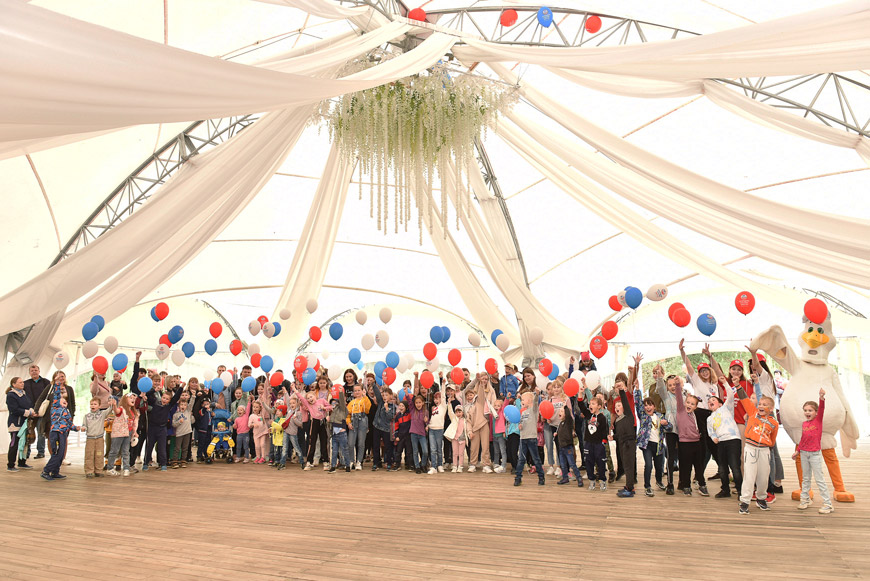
826 509
487 470
307 466
441 469
498 470
472 468
453 469
559 472
325 466
113 472
805 504
432 471
126 473
550 471
460 469
67 463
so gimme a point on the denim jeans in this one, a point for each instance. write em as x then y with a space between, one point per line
120 446
436 448
529 446
650 460
500 448
57 448
549 432
357 437
339 444
729 457
379 436
291 440
568 462
419 449
243 445
811 464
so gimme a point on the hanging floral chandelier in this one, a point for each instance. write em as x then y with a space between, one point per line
404 133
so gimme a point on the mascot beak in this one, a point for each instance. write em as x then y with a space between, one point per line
814 339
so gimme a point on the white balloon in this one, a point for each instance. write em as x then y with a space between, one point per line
536 335
178 357
432 365
61 359
311 305
382 338
254 327
162 352
410 358
334 372
312 359
268 330
541 380
253 349
620 298
227 378
474 339
593 379
90 348
502 342
284 314
578 375
110 344
324 354
386 314
361 317
367 341
402 366
208 374
657 292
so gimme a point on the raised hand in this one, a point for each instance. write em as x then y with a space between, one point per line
822 393
638 358
706 349
682 343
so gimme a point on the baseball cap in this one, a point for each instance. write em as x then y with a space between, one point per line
761 357
703 366
736 362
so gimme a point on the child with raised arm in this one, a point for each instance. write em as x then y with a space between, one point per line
529 437
243 432
317 410
650 438
761 429
691 448
810 451
93 425
61 424
291 424
358 409
182 421
381 425
595 439
338 419
123 431
565 443
723 430
457 434
625 434
437 415
158 417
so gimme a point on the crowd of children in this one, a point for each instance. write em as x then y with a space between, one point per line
672 427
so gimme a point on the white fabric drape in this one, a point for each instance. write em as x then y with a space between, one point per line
719 94
829 39
840 241
321 8
650 235
313 253
63 76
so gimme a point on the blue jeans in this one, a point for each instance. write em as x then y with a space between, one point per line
650 459
595 456
549 432
811 464
291 440
499 446
57 449
357 438
418 443
568 462
243 445
339 444
529 446
379 436
436 448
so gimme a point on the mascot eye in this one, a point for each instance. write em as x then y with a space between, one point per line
810 329
821 331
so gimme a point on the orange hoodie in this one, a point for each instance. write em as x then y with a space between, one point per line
760 430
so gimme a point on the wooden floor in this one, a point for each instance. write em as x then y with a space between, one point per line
252 522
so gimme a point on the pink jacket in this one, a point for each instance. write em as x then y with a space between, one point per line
241 424
101 391
258 425
318 410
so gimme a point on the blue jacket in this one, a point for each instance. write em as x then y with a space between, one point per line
18 403
509 385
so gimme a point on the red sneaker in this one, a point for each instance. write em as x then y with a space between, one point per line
771 498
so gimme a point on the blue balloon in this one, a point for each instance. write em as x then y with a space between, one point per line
188 349
336 331
266 363
277 329
633 297
154 314
402 394
309 376
512 413
392 359
445 334
545 17
379 368
211 346
379 381
707 324
360 365
100 321
119 362
436 335
354 355
175 334
217 385
248 384
554 373
90 330
495 335
144 384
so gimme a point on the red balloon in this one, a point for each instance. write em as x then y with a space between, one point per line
315 333
816 311
674 308
457 375
161 310
682 318
430 351
454 357
609 330
235 346
745 302
417 14
545 367
276 379
389 375
571 387
262 319
100 364
593 24
547 410
215 329
255 359
491 366
300 363
164 340
427 379
508 17
317 365
598 346
613 302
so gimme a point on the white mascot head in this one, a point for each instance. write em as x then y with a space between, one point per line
817 341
